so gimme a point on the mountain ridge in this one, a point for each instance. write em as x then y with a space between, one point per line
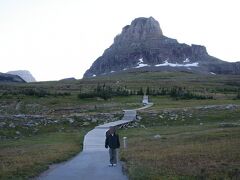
142 44
4 77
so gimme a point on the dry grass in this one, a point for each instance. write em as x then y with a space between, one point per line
26 158
212 154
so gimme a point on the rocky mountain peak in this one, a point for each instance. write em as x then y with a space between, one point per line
143 45
140 29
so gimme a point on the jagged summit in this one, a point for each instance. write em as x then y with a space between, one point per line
143 45
140 29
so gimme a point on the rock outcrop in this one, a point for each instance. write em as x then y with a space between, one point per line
142 45
24 74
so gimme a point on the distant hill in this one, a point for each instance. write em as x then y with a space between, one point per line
24 74
142 46
10 78
68 79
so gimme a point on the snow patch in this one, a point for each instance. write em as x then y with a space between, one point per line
190 64
112 71
141 64
94 75
212 73
140 61
187 60
166 63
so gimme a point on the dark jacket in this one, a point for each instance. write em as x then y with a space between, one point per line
112 141
107 133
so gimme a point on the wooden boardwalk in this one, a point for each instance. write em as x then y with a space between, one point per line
92 162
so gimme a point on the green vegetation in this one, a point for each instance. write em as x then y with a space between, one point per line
27 157
37 92
165 102
182 153
200 142
106 92
177 93
43 123
238 95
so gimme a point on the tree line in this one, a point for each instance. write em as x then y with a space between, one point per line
36 92
177 93
106 92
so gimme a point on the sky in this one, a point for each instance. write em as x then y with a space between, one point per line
56 39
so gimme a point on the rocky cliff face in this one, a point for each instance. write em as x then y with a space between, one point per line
10 78
143 45
24 74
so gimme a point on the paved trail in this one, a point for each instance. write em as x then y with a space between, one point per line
92 162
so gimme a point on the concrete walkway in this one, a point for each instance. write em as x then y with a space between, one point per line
92 162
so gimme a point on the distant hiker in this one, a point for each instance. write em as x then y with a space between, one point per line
112 141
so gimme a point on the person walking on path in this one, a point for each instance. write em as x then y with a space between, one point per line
112 142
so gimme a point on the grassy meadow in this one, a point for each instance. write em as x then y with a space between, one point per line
182 152
178 138
184 139
28 156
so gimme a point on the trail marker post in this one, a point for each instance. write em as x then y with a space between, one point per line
124 142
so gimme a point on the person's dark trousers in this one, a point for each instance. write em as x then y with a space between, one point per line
113 155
